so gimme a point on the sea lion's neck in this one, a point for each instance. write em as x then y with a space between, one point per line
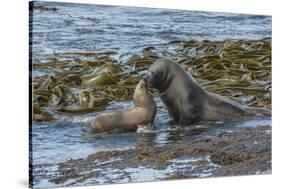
142 99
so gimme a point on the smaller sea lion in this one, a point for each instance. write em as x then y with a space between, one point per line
143 113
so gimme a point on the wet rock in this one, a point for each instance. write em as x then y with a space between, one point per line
230 155
242 151
179 176
200 163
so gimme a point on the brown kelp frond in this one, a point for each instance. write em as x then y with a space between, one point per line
83 82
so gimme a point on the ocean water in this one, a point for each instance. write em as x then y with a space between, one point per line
98 28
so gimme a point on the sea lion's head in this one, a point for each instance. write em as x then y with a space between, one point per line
141 84
157 75
141 95
141 88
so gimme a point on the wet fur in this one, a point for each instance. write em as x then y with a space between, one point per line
142 113
187 102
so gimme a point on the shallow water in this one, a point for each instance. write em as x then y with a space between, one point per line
73 142
70 139
126 30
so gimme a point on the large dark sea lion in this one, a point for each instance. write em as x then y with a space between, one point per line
187 102
143 113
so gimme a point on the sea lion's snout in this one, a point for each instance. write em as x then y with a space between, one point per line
154 79
147 79
141 85
157 73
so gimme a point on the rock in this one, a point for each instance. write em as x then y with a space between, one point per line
230 155
179 176
240 152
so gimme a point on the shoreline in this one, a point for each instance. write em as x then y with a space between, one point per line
242 151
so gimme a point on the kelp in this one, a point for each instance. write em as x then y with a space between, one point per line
45 8
106 76
39 114
86 82
229 67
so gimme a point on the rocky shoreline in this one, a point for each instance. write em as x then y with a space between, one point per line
242 151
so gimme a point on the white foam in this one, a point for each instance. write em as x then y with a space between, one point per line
145 129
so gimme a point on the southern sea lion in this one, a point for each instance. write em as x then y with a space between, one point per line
187 102
142 113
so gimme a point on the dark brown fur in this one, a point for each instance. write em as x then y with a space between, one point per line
187 102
